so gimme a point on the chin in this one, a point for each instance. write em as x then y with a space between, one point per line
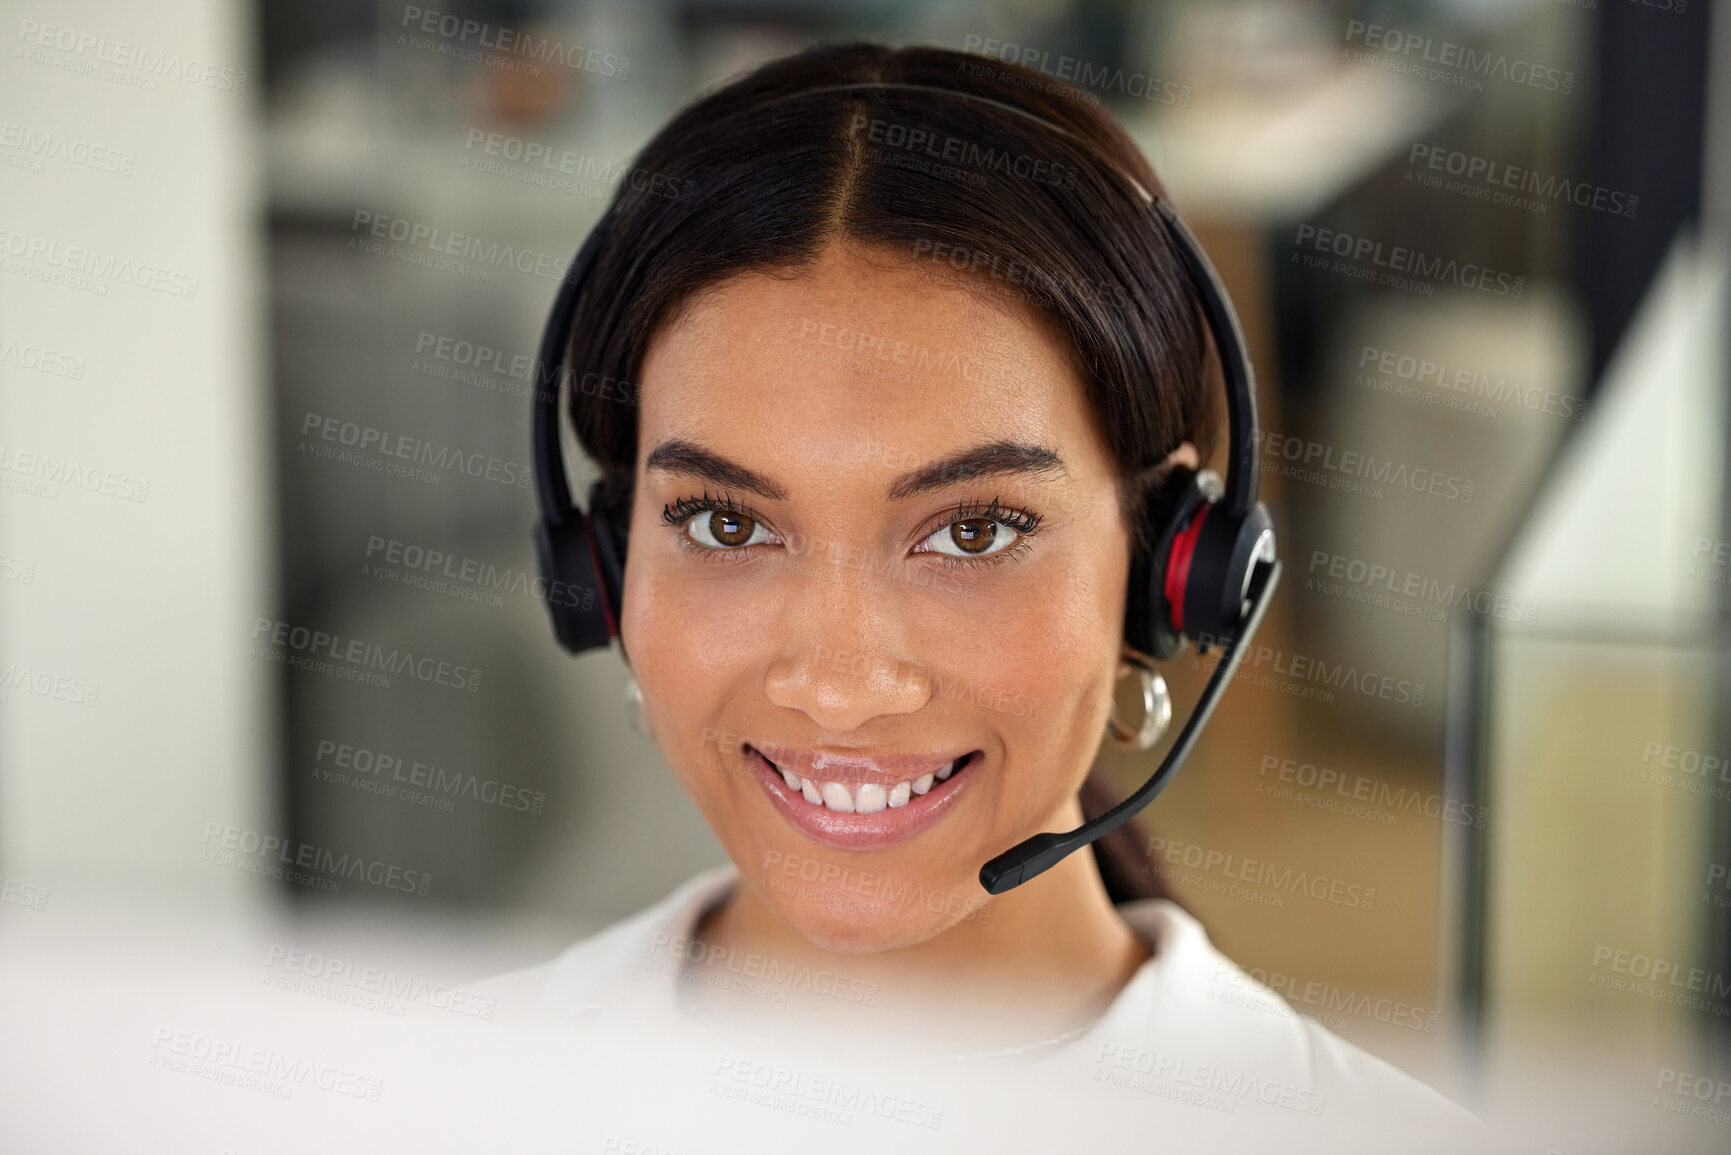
842 922
859 903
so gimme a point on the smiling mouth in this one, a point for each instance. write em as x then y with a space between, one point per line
865 797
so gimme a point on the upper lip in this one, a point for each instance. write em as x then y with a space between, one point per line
855 767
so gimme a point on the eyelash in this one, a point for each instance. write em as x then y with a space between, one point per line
1026 525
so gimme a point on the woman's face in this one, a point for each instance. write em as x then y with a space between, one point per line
875 531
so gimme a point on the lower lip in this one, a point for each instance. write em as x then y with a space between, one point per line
889 826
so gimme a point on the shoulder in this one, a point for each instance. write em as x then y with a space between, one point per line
1202 1020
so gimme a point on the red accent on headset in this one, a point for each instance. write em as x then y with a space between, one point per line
589 530
1178 567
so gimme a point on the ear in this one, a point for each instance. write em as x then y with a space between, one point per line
1184 455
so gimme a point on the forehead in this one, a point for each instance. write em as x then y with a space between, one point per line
861 356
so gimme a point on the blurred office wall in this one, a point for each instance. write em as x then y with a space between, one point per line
136 521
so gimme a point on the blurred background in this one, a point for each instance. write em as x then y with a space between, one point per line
1494 690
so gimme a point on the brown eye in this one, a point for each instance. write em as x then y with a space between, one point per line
725 529
975 534
982 531
731 528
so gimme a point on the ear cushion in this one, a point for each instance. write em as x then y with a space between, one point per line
609 522
1225 555
568 564
1148 626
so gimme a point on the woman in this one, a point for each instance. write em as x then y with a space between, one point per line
907 365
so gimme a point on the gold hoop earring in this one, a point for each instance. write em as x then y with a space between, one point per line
1156 709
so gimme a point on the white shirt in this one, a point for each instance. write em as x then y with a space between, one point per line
1192 1054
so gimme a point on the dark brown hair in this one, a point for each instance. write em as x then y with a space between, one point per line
765 172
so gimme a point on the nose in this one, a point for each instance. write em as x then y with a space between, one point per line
827 667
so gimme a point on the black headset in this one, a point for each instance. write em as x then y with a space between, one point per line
1208 576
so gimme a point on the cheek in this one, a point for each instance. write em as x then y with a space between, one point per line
1050 639
689 632
688 658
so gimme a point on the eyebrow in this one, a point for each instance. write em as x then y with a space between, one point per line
680 456
999 458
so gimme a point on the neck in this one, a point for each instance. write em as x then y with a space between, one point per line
1049 960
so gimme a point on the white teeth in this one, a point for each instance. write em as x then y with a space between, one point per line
868 797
